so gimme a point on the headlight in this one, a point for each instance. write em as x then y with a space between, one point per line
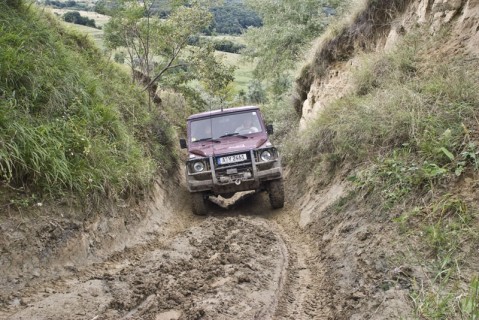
198 166
266 155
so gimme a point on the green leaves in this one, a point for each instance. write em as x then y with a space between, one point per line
159 48
294 25
447 153
470 303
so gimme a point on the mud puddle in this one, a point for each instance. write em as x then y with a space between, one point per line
223 268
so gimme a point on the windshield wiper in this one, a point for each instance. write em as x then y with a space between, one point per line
208 139
234 134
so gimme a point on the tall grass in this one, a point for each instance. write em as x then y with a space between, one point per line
408 108
406 135
70 121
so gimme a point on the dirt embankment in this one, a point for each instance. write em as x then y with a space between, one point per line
379 27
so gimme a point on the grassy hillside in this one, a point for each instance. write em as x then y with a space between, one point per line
407 138
70 121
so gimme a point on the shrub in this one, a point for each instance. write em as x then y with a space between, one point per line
76 18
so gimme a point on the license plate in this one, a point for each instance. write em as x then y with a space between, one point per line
232 159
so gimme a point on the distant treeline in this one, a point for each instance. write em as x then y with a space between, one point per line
233 17
224 45
66 4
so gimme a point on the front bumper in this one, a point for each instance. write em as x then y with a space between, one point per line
243 176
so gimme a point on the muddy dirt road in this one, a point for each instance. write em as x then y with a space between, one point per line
247 262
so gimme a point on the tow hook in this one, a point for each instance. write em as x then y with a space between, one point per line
238 182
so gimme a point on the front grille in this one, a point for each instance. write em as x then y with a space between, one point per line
234 170
240 168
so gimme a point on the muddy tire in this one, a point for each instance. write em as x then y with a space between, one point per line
276 193
199 204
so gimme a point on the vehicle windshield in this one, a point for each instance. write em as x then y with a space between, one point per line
224 125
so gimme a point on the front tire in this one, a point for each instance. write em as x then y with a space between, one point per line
199 204
276 193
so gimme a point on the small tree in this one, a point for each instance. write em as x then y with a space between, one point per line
256 92
166 42
294 24
129 28
119 57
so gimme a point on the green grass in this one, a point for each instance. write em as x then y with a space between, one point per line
100 19
407 135
96 34
71 121
408 113
244 72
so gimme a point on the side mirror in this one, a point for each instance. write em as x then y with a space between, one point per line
269 129
183 144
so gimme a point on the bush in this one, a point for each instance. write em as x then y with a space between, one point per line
69 119
76 18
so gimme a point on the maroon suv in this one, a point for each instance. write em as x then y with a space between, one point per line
229 151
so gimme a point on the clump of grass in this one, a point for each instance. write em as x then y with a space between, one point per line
469 305
408 120
442 228
70 121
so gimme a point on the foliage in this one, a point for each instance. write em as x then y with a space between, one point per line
224 45
228 46
294 25
256 93
66 4
160 49
69 119
215 77
75 17
470 303
233 18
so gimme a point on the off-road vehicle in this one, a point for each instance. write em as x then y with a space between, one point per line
229 151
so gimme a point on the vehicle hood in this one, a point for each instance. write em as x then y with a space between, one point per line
227 145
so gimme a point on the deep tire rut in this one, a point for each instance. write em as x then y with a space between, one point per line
300 297
226 266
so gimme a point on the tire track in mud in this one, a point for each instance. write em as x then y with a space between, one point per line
226 266
301 297
302 293
223 268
